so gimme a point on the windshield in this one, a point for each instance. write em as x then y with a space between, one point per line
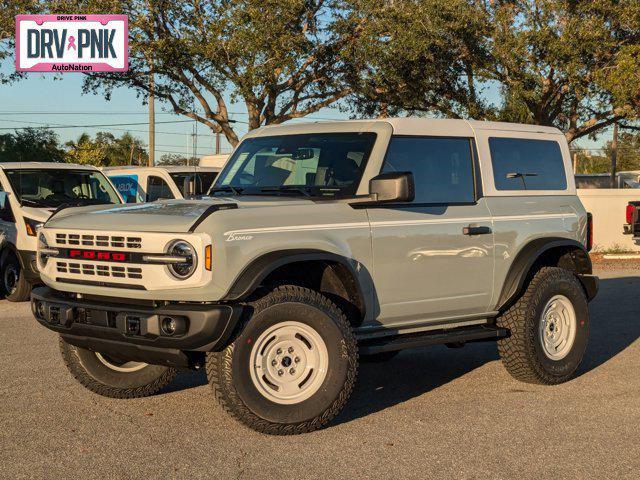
309 164
193 184
53 187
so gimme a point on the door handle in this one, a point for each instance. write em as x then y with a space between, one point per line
476 230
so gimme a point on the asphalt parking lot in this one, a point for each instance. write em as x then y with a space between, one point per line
428 413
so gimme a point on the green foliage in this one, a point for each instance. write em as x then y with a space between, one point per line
107 150
280 58
415 56
628 151
30 145
569 64
8 10
600 161
173 159
565 63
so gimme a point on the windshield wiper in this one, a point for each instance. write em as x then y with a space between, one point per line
33 203
226 188
286 189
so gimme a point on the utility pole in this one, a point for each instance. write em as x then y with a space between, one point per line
194 143
614 156
217 143
152 114
152 118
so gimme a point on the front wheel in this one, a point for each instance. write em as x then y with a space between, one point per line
292 367
113 377
549 328
14 283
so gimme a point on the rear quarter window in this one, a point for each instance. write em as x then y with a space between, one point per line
527 164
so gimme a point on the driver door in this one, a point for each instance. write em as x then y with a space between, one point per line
426 266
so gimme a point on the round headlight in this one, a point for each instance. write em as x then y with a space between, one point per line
180 248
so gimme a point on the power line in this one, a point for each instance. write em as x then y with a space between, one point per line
57 126
47 125
98 112
13 112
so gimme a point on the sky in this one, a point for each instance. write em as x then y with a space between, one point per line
47 99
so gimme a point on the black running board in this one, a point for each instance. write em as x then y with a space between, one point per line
434 337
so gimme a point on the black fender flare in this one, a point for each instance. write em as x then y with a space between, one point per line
254 273
527 257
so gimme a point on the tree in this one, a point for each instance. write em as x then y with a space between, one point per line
106 150
280 58
9 9
31 145
415 56
562 63
628 151
173 159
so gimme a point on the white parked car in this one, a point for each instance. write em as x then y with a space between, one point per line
148 184
29 193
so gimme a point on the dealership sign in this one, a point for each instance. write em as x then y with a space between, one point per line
72 43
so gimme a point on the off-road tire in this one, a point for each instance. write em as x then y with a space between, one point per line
22 290
378 357
228 371
522 352
97 377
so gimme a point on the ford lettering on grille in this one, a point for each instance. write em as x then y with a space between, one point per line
100 255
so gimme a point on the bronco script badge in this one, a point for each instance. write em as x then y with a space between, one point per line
72 43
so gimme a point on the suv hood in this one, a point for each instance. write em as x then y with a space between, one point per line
165 216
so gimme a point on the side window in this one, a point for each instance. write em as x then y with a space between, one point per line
6 214
157 188
442 167
526 164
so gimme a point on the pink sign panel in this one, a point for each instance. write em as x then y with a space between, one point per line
72 43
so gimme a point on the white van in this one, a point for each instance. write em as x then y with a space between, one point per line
148 184
29 193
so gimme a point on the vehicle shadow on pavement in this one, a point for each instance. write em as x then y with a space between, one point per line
614 321
410 374
614 326
185 380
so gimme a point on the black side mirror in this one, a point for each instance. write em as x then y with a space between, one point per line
5 207
392 187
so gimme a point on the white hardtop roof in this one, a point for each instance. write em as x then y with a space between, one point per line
168 168
411 126
44 165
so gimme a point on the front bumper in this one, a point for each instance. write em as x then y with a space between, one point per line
134 332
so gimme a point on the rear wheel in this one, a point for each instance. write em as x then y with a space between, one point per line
113 377
292 367
549 328
14 283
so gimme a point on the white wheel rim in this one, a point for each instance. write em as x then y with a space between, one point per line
126 367
558 327
289 362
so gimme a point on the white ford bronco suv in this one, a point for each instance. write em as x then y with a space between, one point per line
320 244
29 193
